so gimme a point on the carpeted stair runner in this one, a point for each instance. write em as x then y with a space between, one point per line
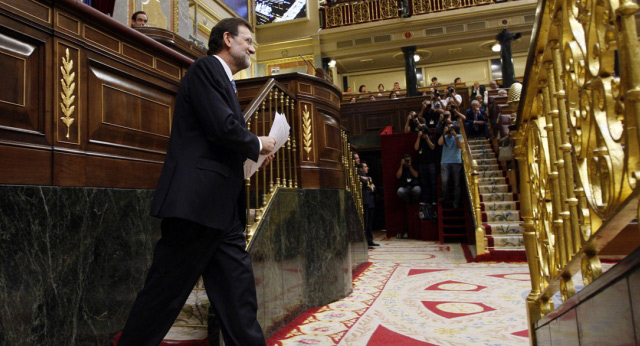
500 206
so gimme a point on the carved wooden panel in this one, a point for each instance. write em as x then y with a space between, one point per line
96 36
67 22
137 55
29 9
126 112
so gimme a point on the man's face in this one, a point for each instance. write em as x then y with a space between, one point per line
241 48
476 85
356 159
396 86
493 84
141 20
365 168
475 106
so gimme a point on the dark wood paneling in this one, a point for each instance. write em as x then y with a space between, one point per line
67 22
170 69
137 55
25 165
96 36
28 8
129 115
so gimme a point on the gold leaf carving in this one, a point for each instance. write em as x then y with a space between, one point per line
68 88
306 127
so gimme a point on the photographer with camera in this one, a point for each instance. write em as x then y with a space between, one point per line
436 102
451 164
413 122
452 97
409 190
427 162
456 117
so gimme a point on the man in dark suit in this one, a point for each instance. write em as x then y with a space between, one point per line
368 203
476 121
200 200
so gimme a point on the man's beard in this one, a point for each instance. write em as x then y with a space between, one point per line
241 60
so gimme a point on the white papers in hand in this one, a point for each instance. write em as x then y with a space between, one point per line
280 132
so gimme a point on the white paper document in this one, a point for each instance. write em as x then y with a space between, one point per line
280 132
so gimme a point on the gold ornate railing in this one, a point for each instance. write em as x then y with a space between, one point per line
352 177
471 177
344 13
281 172
577 142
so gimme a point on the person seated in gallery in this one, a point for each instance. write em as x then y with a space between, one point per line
476 123
380 89
503 92
393 95
493 85
396 86
458 80
434 82
476 90
349 91
139 19
362 89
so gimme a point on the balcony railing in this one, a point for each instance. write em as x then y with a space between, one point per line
343 13
577 142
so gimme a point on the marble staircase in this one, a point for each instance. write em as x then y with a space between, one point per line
499 204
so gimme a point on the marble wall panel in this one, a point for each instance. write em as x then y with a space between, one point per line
606 316
73 259
308 243
634 288
564 330
71 262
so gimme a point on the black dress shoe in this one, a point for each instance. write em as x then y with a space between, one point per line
370 247
374 244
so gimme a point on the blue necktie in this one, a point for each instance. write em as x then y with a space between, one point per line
233 82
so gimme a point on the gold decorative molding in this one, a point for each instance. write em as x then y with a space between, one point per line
154 11
176 17
68 84
306 128
286 60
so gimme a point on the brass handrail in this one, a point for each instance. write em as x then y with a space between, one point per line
259 114
473 192
577 142
352 177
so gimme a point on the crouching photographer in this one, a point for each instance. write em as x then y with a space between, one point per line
409 190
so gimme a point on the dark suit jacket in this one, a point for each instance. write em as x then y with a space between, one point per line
470 115
474 91
202 176
367 195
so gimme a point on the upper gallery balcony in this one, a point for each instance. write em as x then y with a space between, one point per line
349 12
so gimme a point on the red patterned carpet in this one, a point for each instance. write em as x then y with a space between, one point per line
421 293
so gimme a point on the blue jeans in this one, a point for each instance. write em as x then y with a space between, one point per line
450 174
409 194
428 181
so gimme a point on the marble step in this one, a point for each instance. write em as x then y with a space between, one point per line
485 168
492 181
487 161
501 216
480 147
503 228
494 188
478 141
505 242
482 154
495 206
490 174
497 197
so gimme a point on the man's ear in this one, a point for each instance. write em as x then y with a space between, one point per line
226 39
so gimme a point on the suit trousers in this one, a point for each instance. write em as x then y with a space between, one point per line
186 251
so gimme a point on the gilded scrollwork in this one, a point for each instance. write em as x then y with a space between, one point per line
579 126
